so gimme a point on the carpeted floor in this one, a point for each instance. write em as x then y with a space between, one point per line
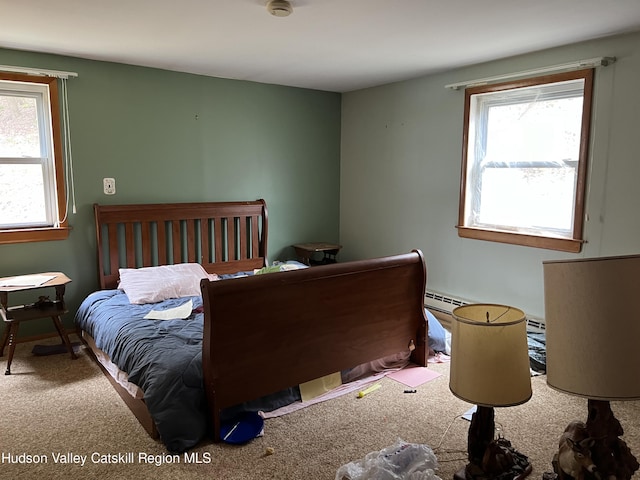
53 408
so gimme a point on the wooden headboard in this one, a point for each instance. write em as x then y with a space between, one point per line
225 237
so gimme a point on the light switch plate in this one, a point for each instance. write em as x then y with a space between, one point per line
109 186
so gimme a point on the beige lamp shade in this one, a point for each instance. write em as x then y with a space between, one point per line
593 326
490 359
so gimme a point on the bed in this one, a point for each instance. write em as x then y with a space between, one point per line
245 336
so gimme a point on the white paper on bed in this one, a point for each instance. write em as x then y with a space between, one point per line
180 312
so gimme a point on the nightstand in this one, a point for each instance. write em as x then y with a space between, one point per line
305 252
41 308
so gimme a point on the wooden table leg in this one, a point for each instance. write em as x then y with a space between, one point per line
5 338
12 337
4 300
304 256
63 336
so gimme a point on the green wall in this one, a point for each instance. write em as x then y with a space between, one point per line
400 176
174 137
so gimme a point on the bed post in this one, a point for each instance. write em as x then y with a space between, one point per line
265 230
207 369
420 354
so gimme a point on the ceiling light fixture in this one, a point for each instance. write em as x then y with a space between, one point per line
280 8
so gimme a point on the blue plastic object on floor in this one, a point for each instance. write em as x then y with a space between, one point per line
242 429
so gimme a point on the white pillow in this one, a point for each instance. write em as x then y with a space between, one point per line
155 284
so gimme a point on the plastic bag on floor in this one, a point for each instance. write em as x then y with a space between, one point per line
401 461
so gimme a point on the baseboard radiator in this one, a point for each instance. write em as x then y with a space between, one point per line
441 306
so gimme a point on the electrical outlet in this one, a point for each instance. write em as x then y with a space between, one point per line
109 185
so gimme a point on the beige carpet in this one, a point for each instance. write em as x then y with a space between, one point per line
54 405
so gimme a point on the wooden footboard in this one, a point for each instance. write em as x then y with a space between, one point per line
268 332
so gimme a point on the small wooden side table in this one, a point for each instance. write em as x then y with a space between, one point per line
41 308
305 251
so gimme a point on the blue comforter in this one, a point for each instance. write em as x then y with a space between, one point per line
163 357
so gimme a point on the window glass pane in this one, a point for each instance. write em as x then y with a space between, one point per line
22 201
19 129
539 131
538 199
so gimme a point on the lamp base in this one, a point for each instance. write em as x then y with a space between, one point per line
501 461
489 458
462 475
609 455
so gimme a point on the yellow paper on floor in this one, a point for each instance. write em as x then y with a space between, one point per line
314 388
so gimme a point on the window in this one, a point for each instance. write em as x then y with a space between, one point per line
32 193
524 161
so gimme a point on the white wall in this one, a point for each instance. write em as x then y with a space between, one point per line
400 168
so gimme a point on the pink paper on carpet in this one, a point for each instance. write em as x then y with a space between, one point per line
413 376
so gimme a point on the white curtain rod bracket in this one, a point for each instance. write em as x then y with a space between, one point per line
565 67
37 72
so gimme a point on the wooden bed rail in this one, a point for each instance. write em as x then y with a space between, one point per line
268 332
225 237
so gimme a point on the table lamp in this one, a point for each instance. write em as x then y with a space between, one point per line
490 368
592 332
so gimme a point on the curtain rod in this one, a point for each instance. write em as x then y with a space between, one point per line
38 72
587 63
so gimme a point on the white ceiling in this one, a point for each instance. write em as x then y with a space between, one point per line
334 45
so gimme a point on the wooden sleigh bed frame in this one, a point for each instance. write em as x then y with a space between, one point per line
328 318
